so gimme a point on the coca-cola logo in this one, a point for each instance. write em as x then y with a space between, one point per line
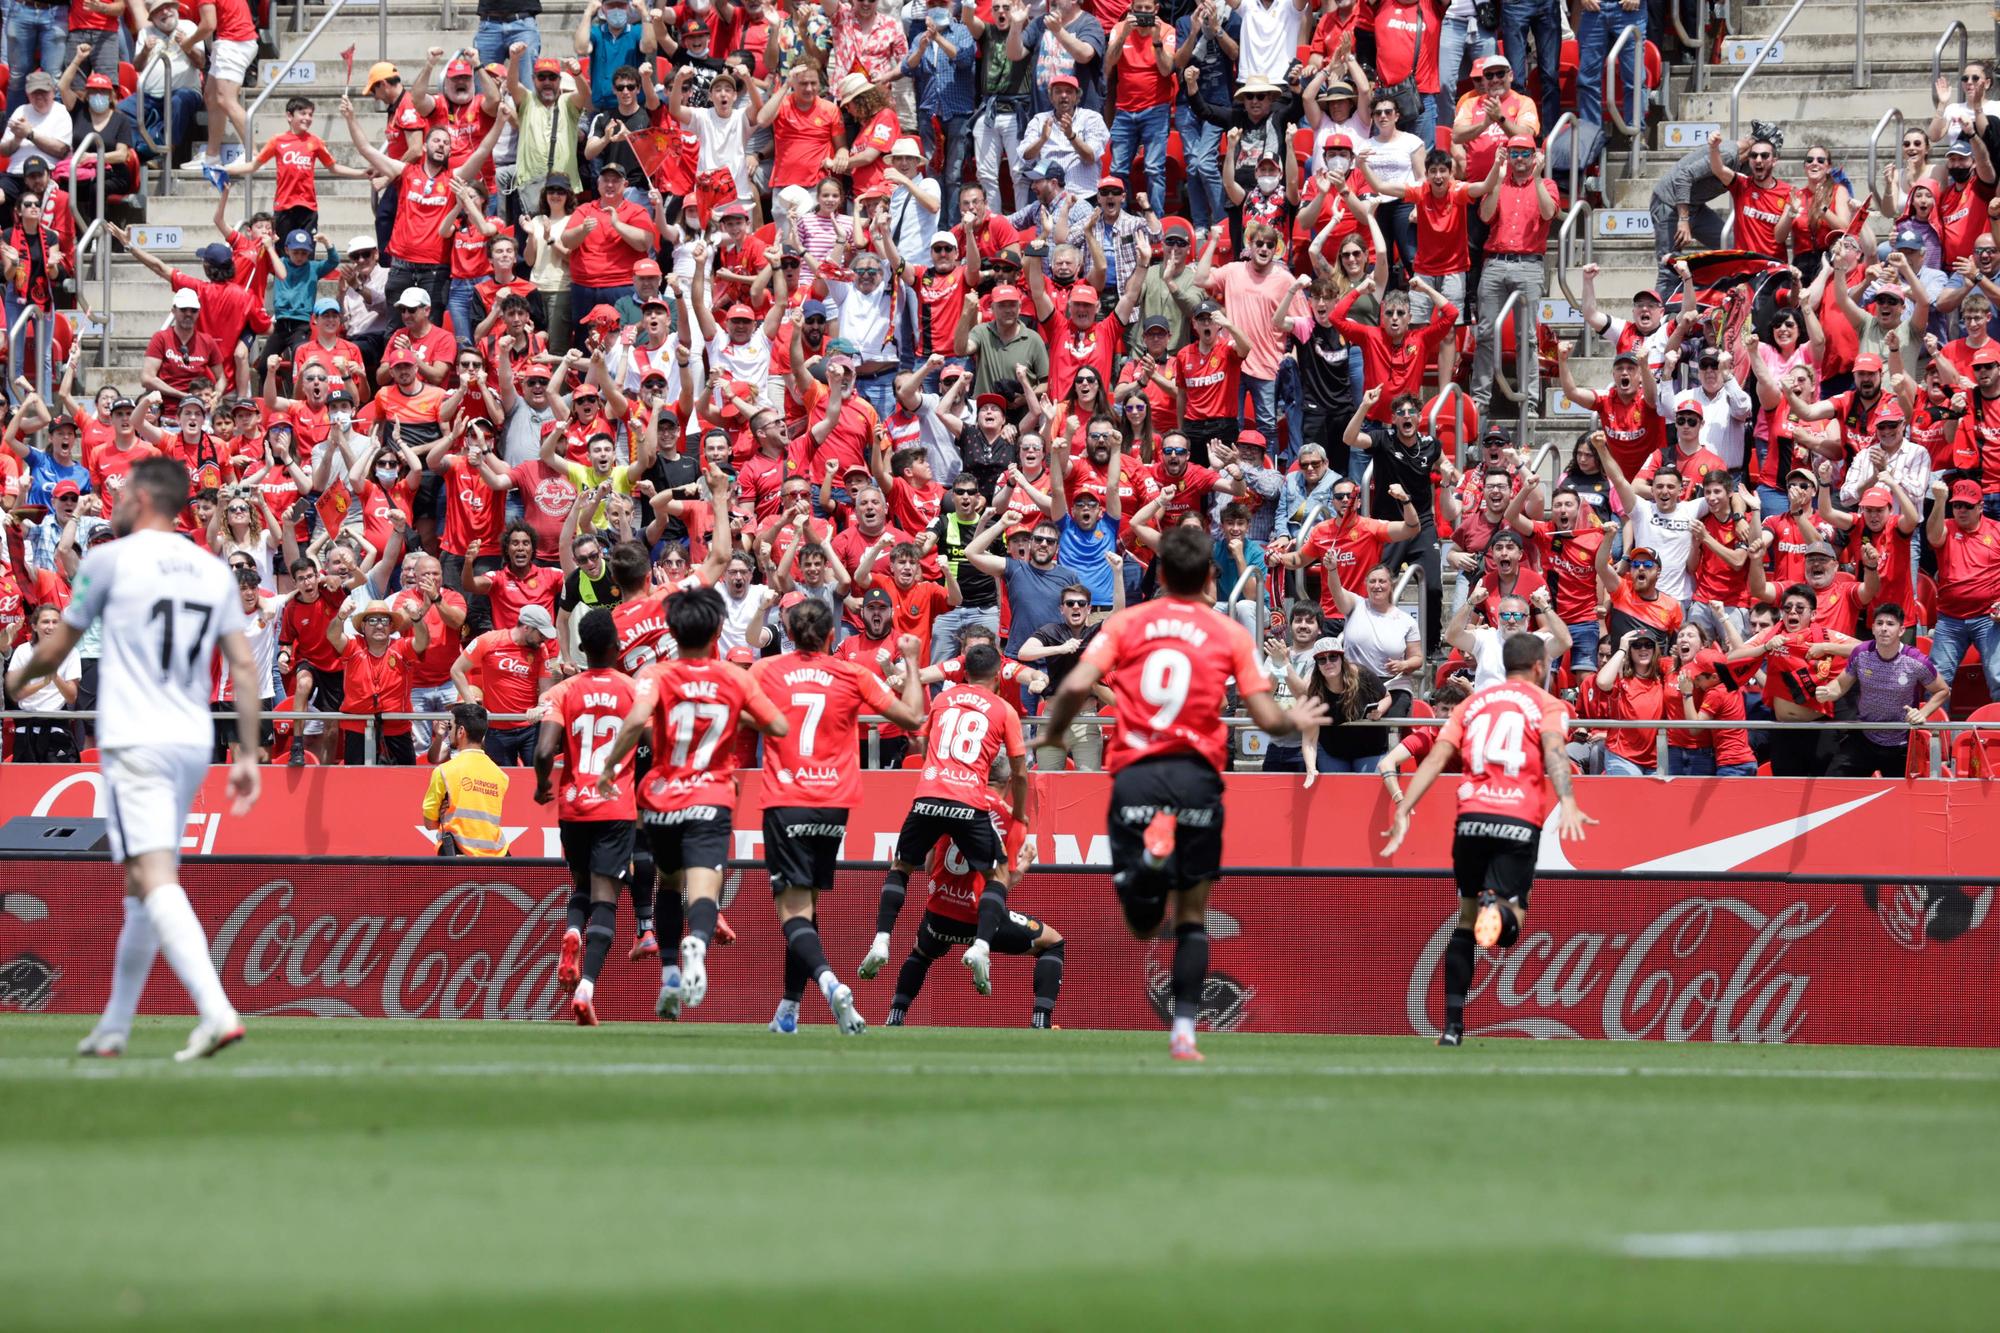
432 963
1914 914
1681 978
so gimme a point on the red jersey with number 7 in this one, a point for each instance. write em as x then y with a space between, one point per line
817 764
590 707
968 726
1168 664
698 707
1498 733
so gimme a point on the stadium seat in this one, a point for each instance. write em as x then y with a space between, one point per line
128 79
1977 754
90 756
1926 599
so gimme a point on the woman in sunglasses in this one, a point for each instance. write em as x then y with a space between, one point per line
1826 210
1632 687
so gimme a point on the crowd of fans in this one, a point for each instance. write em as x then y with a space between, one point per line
942 315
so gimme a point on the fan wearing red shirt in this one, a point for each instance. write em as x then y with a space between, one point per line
180 354
606 237
595 808
810 780
297 151
918 601
416 249
806 129
841 423
1508 739
1443 258
1355 542
1705 697
378 666
1076 337
1627 410
1566 550
1792 679
968 728
1395 355
1139 56
941 289
510 664
1761 198
519 582
474 514
442 610
1968 580
1191 483
1168 663
1207 375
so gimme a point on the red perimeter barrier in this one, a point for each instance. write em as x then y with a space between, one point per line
1826 828
1894 964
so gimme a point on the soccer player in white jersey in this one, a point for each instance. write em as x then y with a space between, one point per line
166 605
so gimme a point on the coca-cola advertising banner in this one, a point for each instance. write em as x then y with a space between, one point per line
1768 826
1900 964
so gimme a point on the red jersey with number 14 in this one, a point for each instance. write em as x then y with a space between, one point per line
699 704
1168 664
817 764
1498 733
591 707
968 726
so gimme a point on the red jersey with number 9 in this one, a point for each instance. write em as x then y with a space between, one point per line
698 706
1498 733
817 764
590 708
1168 664
967 727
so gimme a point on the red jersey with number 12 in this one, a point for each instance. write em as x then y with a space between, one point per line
699 706
1498 733
1168 664
591 707
968 726
817 764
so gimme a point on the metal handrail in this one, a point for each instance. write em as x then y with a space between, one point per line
1763 51
1694 41
44 334
1566 121
1635 128
1893 116
1457 396
272 85
1542 455
1368 490
94 231
1957 29
1524 334
1565 237
1414 571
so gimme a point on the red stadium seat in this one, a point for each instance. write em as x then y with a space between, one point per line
90 756
128 79
1926 598
1977 753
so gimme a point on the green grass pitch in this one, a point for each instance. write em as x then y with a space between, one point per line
337 1174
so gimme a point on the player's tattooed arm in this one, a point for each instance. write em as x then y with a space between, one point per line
1555 762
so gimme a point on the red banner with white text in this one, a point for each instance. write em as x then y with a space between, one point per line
1899 964
1771 826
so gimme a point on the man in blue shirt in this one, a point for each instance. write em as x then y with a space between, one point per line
614 37
47 467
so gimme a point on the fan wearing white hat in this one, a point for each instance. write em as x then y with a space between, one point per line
379 669
914 200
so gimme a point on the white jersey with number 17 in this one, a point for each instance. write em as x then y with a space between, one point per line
165 602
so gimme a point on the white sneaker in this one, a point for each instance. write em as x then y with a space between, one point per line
786 1021
208 1038
668 1006
841 1000
195 165
979 957
694 972
102 1043
878 954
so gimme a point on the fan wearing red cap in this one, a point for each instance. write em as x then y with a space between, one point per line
1857 409
1690 456
739 347
1079 333
1877 532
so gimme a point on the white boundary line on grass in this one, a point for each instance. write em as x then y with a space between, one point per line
1813 1242
57 1067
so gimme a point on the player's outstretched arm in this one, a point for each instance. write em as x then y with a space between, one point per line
548 744
908 711
1427 773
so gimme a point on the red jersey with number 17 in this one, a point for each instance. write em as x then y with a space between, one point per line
817 764
590 708
968 726
1168 664
1498 733
699 704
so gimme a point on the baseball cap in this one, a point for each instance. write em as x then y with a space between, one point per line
1625 354
1822 549
585 390
943 238
1496 62
1503 537
299 239
1895 289
1084 291
1520 141
1340 141
1499 434
1053 171
1007 291
1967 489
1710 356
326 305
1687 400
123 404
646 268
99 83
1877 497
1989 355
737 311
215 253
1111 185
1889 409
187 298
742 655
877 597
1959 147
601 314
548 65
65 488
65 419
1068 80
1177 227
610 166
657 299
1647 294
1251 439
1869 362
458 69
1155 324
990 400
813 309
1803 474
414 298
361 244
733 209
380 71
535 616
1643 553
340 393
399 356
1324 645
1909 238
1710 662
1207 308
534 370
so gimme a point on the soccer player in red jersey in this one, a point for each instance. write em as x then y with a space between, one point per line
595 806
695 703
811 777
1168 663
1509 741
969 727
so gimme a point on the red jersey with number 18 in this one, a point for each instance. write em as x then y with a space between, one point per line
1498 733
968 726
817 764
591 706
700 703
1168 664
